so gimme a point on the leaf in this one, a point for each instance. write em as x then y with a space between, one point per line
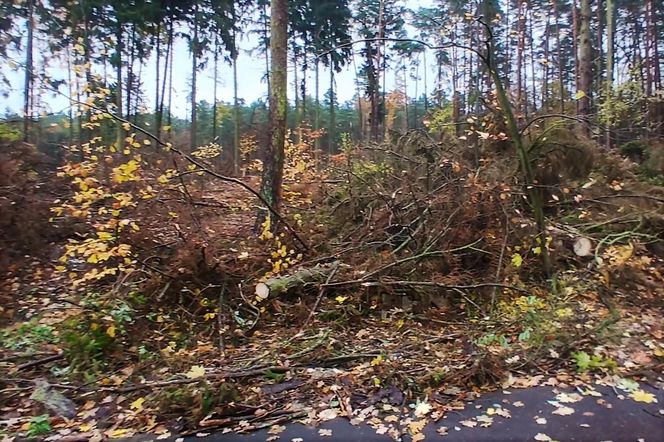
563 411
110 331
324 432
137 404
468 423
195 372
327 415
542 437
341 299
579 95
643 396
422 409
540 421
517 260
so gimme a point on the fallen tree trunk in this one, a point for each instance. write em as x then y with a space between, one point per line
281 284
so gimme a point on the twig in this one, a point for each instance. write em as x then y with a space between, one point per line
210 376
321 292
41 361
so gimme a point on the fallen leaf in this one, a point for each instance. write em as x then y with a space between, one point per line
469 423
276 429
195 372
518 404
324 432
327 415
137 404
563 411
442 431
541 421
422 409
643 396
569 398
542 437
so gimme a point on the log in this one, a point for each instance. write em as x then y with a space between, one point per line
281 284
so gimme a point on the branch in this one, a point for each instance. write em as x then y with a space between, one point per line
198 164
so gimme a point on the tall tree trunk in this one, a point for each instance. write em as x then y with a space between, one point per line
273 160
333 119
585 60
170 83
317 110
194 70
610 17
27 93
167 64
130 71
546 69
214 89
157 122
120 132
520 62
559 49
236 102
575 47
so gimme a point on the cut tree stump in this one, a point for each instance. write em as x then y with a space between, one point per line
281 284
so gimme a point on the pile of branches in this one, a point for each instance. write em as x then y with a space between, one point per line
413 223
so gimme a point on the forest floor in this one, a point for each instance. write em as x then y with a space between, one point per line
173 364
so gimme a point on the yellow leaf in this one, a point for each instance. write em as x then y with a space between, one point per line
110 331
517 260
341 299
147 142
579 95
209 316
126 126
537 250
197 371
377 360
167 128
137 404
643 396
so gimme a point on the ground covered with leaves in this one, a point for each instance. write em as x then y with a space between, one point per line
414 286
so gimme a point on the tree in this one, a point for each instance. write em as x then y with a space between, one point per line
585 61
273 158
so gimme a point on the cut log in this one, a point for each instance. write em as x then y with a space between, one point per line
281 284
583 246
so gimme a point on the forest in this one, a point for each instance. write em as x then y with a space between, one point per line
331 220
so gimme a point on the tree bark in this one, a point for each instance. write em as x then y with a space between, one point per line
273 160
610 17
27 110
585 60
236 102
194 69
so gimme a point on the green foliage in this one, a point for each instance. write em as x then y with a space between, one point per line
585 362
28 335
9 133
88 338
633 149
39 425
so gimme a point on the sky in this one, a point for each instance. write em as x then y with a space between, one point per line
251 86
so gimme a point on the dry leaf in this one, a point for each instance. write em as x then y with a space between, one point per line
542 437
323 432
643 396
563 411
327 415
195 372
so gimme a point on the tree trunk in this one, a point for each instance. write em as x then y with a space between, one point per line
214 89
194 69
120 132
236 102
561 77
333 119
317 111
521 33
610 17
273 161
585 60
575 47
157 123
27 110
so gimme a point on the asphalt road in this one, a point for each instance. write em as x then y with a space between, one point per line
605 418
